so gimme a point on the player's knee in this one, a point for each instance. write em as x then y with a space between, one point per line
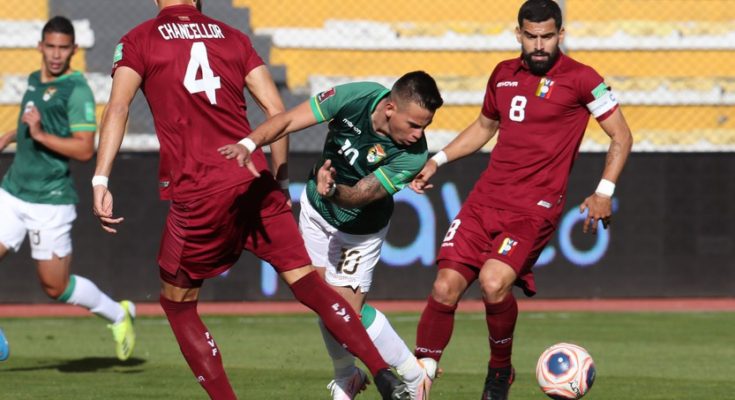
494 289
445 292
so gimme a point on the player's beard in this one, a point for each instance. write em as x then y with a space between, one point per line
540 68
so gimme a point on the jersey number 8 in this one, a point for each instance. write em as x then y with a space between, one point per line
518 108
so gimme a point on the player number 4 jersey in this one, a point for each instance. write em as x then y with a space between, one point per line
193 71
357 151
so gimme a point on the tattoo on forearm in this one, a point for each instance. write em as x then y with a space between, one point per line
367 190
614 153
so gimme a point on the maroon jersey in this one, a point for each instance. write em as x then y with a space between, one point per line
193 69
542 122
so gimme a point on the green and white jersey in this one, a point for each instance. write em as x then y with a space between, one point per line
357 151
37 174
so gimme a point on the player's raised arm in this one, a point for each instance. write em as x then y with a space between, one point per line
268 132
124 85
467 142
599 204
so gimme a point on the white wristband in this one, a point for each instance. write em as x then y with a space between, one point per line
284 183
605 188
440 158
100 180
249 144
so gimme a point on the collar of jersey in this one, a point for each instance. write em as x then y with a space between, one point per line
179 9
59 79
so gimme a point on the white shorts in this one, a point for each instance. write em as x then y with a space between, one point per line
349 259
48 226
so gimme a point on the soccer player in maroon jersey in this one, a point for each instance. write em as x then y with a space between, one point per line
539 104
193 70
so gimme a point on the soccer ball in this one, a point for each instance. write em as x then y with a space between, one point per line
565 371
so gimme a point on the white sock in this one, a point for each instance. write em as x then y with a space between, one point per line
343 360
83 292
391 347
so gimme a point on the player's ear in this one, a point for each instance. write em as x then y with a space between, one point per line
518 34
390 108
562 31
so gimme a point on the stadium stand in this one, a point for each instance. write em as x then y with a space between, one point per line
670 62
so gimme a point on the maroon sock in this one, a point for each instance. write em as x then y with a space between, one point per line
198 348
435 329
339 319
501 322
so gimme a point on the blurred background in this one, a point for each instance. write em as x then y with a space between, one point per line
670 62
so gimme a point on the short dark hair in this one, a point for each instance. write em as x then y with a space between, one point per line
199 5
420 88
540 11
58 24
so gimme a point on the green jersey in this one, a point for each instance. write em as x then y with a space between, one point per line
357 151
37 174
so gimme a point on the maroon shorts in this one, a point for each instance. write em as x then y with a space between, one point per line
480 233
205 237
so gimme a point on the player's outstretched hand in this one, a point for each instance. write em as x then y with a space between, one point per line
102 208
241 154
325 178
599 208
420 183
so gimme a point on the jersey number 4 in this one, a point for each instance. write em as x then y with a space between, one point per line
208 83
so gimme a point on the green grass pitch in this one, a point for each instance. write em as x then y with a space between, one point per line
639 356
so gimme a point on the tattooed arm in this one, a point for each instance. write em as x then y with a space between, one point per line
364 192
367 190
599 204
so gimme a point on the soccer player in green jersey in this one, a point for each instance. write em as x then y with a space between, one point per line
37 197
375 146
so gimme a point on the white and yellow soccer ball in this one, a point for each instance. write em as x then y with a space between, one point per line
565 371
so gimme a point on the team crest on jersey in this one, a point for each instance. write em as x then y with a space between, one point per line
49 93
545 87
325 95
507 247
375 154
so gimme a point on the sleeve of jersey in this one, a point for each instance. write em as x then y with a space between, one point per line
128 54
399 172
489 107
597 96
252 59
81 110
326 105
